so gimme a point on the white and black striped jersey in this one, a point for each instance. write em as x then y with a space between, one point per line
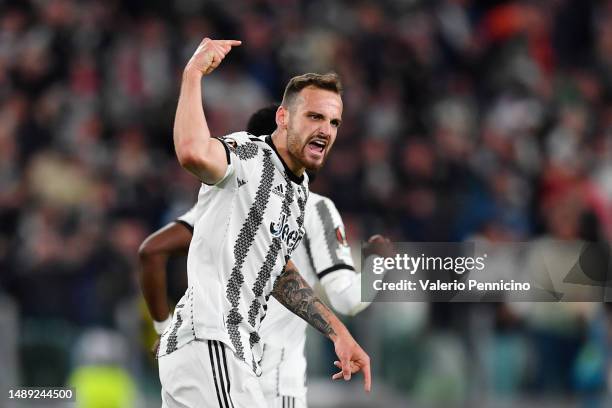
324 250
248 225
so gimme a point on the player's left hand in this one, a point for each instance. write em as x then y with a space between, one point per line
352 360
378 245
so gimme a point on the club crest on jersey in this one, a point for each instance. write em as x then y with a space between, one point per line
282 230
230 142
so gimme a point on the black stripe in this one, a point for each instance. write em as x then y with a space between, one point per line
243 244
227 157
263 277
263 353
292 402
172 342
223 390
247 151
212 364
333 269
226 374
302 205
185 224
264 274
227 153
284 399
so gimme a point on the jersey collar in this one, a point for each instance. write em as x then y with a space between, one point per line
292 176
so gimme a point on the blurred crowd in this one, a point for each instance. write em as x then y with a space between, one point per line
461 118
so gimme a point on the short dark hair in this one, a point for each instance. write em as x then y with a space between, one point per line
329 81
263 122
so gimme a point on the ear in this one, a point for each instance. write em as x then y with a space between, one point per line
282 117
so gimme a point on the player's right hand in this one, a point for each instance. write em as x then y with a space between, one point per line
210 53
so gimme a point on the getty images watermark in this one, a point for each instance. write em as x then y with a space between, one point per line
458 265
538 271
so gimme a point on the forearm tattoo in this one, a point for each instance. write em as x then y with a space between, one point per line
295 294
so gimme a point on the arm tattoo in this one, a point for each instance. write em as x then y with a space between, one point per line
295 294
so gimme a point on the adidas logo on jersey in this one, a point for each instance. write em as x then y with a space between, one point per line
241 183
279 191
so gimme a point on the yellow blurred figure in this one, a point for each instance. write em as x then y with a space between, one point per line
103 387
99 377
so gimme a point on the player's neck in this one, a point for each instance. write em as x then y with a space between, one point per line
279 141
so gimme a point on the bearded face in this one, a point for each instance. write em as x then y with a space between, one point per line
313 122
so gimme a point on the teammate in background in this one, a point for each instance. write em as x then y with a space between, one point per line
283 334
243 240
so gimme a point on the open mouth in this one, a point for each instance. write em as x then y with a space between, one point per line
317 145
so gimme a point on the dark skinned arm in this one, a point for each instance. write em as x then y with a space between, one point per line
153 254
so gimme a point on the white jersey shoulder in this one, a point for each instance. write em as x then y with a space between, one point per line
232 142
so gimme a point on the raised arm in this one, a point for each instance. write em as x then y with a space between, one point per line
295 294
195 149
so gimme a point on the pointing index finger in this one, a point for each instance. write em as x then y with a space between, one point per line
231 43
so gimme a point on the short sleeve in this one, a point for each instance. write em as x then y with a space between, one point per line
189 218
241 153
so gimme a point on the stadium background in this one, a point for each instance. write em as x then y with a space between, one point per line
462 118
